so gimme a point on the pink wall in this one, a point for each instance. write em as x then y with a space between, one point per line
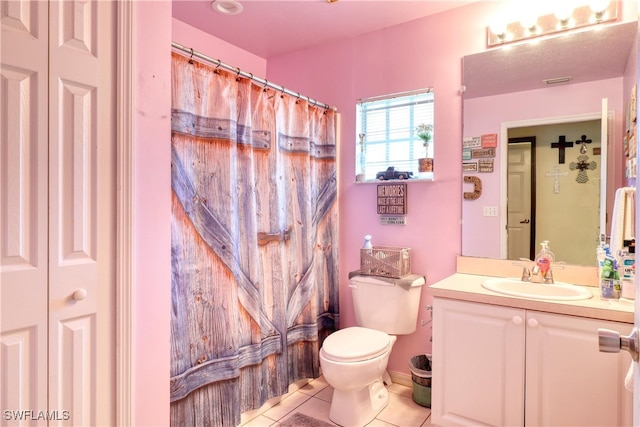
215 48
152 210
423 53
485 115
630 79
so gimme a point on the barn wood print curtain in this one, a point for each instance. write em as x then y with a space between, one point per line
253 243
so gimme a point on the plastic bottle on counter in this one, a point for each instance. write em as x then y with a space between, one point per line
610 279
628 270
544 259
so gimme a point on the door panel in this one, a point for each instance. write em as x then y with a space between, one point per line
57 211
23 206
82 199
519 201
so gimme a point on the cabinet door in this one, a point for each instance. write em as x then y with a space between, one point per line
478 364
568 381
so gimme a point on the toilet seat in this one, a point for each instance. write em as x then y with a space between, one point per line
355 344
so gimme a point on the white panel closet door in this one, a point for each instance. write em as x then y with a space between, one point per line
57 211
82 210
23 206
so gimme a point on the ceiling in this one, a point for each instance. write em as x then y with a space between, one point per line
272 28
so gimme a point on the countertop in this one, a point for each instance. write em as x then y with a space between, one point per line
468 287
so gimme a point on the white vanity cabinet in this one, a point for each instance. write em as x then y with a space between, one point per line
503 366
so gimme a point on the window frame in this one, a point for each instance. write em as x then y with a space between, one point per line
405 131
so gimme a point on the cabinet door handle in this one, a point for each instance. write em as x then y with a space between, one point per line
517 320
532 323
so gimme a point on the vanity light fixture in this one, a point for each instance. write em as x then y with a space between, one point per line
227 7
564 18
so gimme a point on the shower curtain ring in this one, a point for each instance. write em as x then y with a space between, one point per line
298 97
191 57
217 66
282 92
237 74
264 86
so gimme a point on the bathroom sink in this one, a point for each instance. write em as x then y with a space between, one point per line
558 291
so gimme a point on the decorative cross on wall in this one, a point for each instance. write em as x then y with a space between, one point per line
561 145
583 140
556 182
582 167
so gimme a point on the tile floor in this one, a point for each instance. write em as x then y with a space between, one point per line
313 398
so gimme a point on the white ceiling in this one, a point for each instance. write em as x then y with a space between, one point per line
272 28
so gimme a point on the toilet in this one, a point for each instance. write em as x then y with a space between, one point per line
354 360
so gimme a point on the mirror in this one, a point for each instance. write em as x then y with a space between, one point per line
505 89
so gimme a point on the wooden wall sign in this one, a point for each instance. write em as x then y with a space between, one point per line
485 165
483 152
489 140
472 142
392 199
469 167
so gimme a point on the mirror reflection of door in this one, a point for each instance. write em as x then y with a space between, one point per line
521 198
565 205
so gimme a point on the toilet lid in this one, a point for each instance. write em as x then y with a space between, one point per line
355 344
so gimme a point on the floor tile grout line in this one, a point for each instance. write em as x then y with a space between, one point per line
400 390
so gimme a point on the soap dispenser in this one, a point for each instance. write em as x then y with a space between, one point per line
367 242
544 260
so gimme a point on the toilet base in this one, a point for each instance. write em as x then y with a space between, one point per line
357 408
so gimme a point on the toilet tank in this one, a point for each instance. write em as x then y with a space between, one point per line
386 304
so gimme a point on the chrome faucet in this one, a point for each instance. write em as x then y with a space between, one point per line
528 274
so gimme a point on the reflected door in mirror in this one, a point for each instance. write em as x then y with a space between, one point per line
519 217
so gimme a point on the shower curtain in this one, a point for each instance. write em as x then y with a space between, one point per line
253 242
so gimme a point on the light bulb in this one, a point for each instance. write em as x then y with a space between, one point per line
563 10
599 6
529 21
498 27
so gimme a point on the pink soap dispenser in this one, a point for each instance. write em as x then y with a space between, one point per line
544 260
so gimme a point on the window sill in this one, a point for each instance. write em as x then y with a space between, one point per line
422 177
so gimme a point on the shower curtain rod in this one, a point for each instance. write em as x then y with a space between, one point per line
264 82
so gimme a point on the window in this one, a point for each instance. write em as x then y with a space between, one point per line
387 133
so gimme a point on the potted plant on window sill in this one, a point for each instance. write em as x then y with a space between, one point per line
423 131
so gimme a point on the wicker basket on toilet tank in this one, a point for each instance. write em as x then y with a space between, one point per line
385 261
